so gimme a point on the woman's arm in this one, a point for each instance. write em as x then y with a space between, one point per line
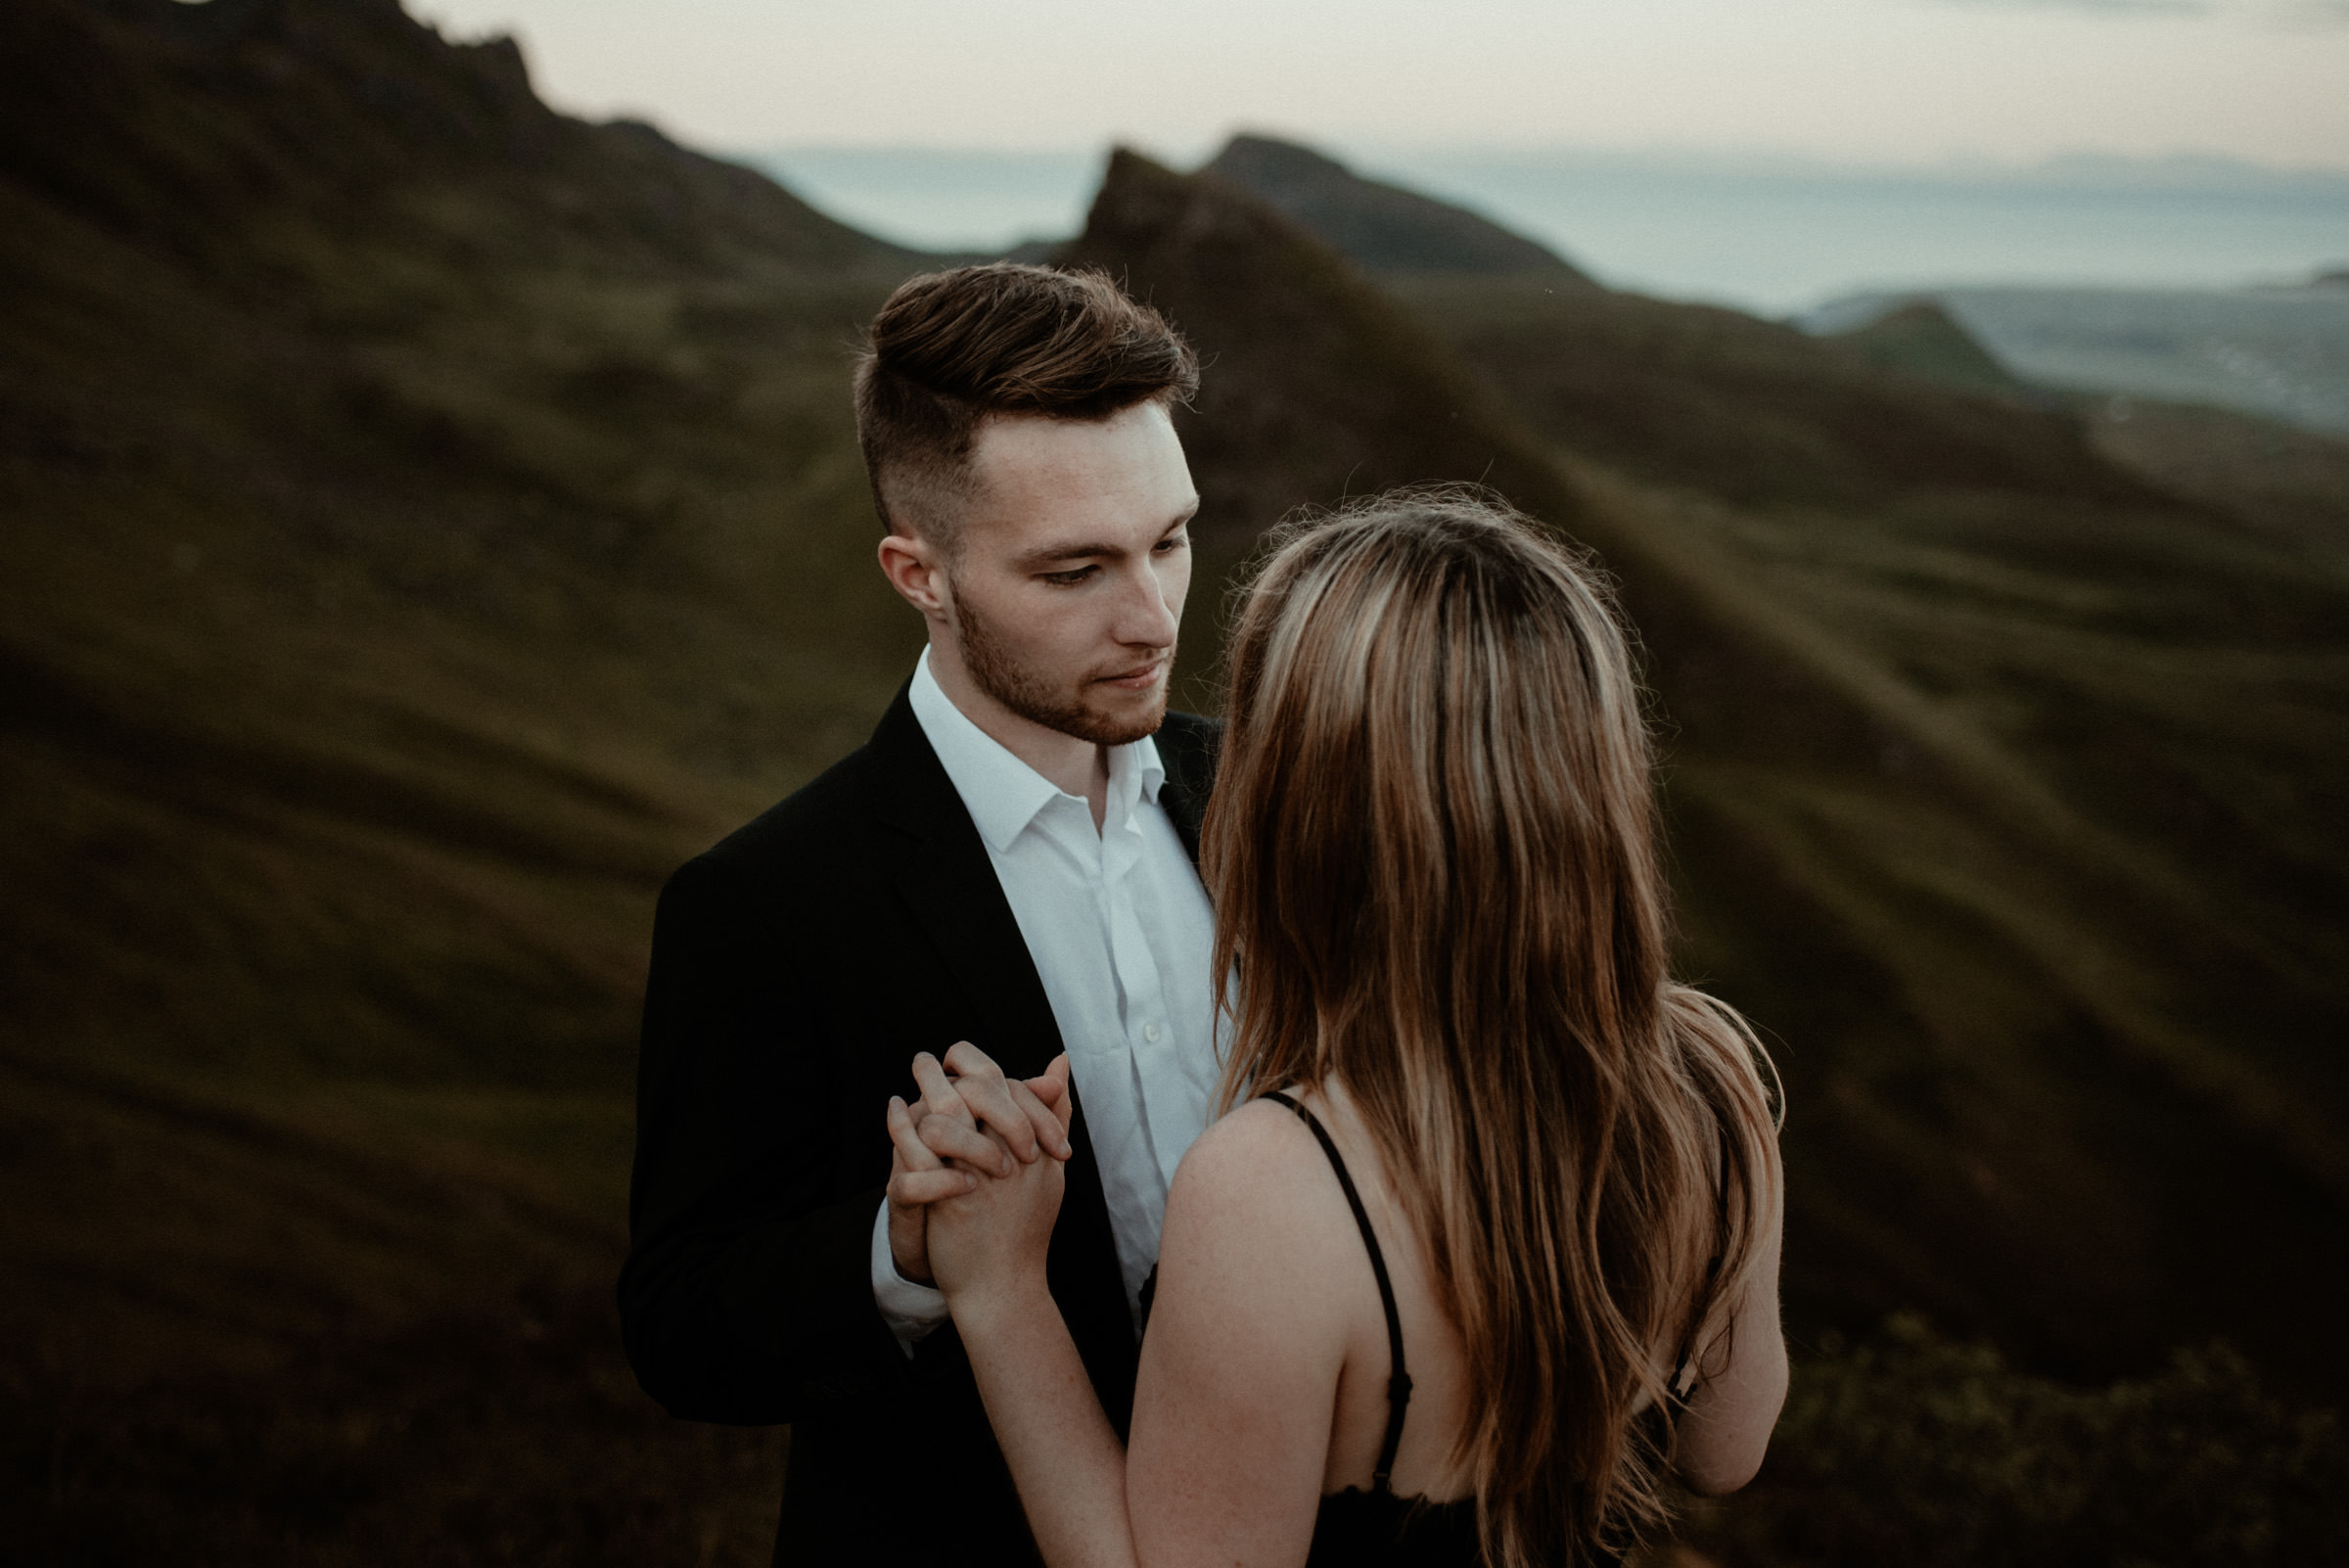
1239 1376
1721 1437
988 1250
1067 1462
1262 1275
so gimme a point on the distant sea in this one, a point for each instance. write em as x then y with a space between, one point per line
2180 277
2281 353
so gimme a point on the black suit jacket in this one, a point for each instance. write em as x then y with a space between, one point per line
797 968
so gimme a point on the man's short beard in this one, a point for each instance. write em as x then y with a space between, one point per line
994 671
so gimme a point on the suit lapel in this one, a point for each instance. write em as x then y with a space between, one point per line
1186 750
941 869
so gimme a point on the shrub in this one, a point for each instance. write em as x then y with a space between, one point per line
1915 1450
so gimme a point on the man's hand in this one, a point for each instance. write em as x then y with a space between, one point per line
981 1122
991 1242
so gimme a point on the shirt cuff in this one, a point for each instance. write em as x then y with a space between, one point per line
910 1311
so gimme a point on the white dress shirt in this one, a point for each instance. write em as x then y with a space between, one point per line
1123 937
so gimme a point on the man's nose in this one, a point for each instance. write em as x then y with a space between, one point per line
1145 618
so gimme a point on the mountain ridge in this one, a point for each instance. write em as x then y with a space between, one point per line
1382 227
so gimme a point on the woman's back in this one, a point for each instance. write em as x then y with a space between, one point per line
1270 1293
1382 1524
1269 1319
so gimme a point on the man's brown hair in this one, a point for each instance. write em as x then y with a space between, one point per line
951 349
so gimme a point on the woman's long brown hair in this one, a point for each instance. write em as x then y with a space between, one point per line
1432 850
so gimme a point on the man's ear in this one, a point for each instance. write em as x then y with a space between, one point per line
915 568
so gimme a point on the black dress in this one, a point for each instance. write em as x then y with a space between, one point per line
1376 1529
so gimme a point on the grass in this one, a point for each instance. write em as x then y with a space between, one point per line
1910 1447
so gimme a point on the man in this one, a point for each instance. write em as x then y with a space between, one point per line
1008 863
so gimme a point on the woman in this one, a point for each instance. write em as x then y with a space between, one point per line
1432 855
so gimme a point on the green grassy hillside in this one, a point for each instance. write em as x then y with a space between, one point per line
408 558
428 519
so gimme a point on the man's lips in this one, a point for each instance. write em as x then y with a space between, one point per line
1141 678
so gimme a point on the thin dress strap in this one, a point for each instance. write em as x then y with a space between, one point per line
1399 1381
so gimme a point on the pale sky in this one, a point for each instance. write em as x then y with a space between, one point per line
1876 81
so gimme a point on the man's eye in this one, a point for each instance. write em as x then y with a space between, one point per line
1070 578
1168 546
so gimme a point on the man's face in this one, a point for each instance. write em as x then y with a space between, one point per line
1066 582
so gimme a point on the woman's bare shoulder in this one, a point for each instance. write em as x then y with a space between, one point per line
1255 1178
1255 1138
1250 1269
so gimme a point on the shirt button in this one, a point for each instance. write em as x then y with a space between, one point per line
1150 1033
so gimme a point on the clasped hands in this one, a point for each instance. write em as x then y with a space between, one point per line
974 1173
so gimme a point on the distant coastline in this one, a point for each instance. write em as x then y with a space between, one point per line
1772 236
2282 352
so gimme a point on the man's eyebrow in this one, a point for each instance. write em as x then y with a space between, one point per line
1044 555
1086 549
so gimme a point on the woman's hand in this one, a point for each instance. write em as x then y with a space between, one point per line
991 1242
979 1122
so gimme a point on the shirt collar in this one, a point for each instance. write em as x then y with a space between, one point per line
1003 794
